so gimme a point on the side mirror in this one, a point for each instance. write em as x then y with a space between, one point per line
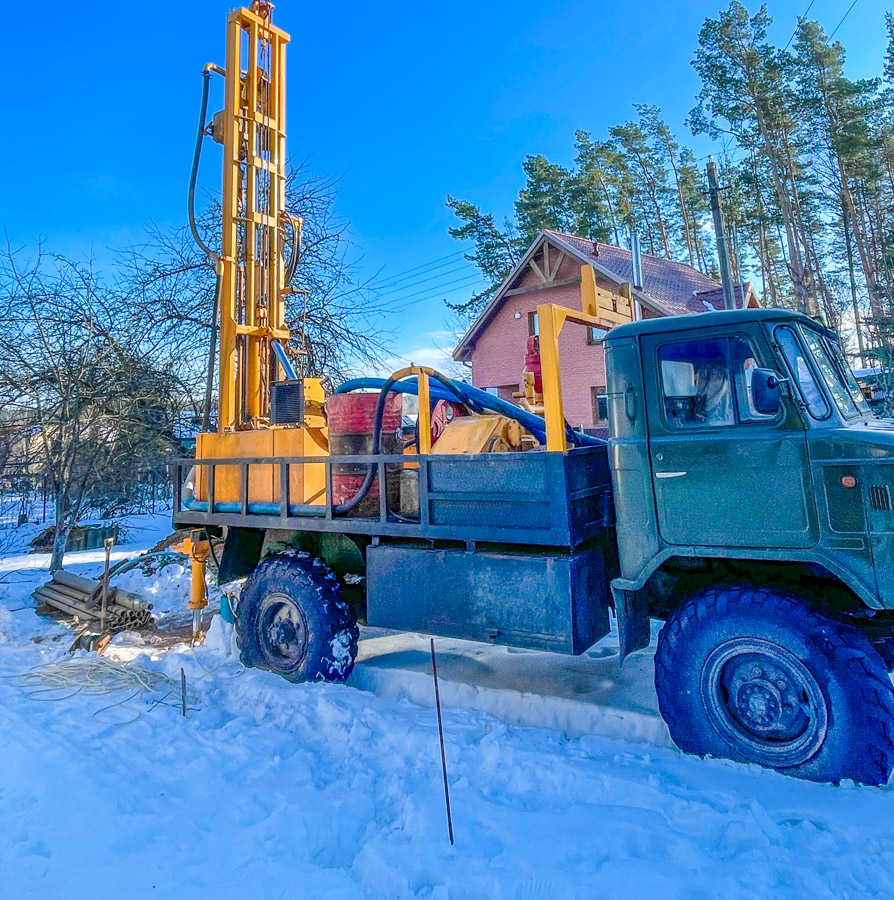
765 392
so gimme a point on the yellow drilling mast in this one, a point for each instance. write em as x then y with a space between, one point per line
260 413
252 265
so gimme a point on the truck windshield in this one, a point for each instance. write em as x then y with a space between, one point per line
833 367
796 357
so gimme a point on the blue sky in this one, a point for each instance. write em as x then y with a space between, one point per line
407 102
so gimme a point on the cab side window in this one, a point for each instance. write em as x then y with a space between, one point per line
707 383
743 363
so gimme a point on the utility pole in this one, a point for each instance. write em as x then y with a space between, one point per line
737 256
850 271
725 277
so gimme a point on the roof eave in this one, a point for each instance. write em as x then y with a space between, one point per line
464 349
466 343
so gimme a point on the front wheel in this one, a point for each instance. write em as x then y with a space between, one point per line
292 620
755 675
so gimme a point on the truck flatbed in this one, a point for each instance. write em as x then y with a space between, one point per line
537 499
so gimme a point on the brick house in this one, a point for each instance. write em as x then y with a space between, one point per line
550 272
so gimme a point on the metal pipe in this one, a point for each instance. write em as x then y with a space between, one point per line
52 599
212 353
70 592
129 601
109 542
89 587
79 582
284 361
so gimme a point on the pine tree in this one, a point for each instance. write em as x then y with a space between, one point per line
835 122
496 251
744 85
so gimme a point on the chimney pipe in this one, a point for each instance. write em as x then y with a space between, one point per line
636 261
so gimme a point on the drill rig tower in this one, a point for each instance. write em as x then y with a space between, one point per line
260 413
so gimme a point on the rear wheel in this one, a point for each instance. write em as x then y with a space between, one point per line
292 620
755 675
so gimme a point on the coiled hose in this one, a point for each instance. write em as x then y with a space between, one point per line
194 171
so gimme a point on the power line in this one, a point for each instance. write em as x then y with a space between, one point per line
471 281
373 287
796 26
399 276
412 284
842 20
730 161
393 282
465 281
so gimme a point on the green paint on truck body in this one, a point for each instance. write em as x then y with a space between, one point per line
700 470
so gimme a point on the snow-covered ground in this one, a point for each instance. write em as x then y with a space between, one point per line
267 789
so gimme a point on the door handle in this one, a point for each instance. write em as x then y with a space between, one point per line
669 474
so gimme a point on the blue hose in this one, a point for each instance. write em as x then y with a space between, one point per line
476 397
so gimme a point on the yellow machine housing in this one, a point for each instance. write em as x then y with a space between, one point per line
480 434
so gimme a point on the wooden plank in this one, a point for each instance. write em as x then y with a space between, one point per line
621 307
609 315
557 266
541 287
535 267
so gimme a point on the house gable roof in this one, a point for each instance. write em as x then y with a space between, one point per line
669 288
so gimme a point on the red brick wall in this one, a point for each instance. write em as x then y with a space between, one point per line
498 357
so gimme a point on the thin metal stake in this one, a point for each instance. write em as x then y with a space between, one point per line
434 672
109 543
183 691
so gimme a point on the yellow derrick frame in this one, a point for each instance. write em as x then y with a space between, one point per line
600 309
252 305
423 374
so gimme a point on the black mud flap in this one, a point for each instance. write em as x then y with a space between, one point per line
242 552
632 613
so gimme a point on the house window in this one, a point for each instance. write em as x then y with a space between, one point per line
596 335
533 325
504 391
600 404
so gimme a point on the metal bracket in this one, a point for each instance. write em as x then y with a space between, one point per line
632 613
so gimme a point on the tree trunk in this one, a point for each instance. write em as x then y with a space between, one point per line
60 538
850 270
795 263
687 231
611 211
870 275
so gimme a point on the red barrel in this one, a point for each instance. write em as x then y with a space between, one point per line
351 418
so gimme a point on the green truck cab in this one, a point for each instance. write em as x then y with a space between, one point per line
752 489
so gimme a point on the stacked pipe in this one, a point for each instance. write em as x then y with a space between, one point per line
82 598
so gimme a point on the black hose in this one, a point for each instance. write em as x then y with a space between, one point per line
363 490
449 385
194 173
212 351
292 264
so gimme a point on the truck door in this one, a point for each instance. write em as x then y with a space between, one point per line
723 474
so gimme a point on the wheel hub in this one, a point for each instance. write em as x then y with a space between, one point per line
764 702
282 630
760 703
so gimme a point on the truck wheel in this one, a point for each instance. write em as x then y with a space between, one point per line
755 675
292 620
